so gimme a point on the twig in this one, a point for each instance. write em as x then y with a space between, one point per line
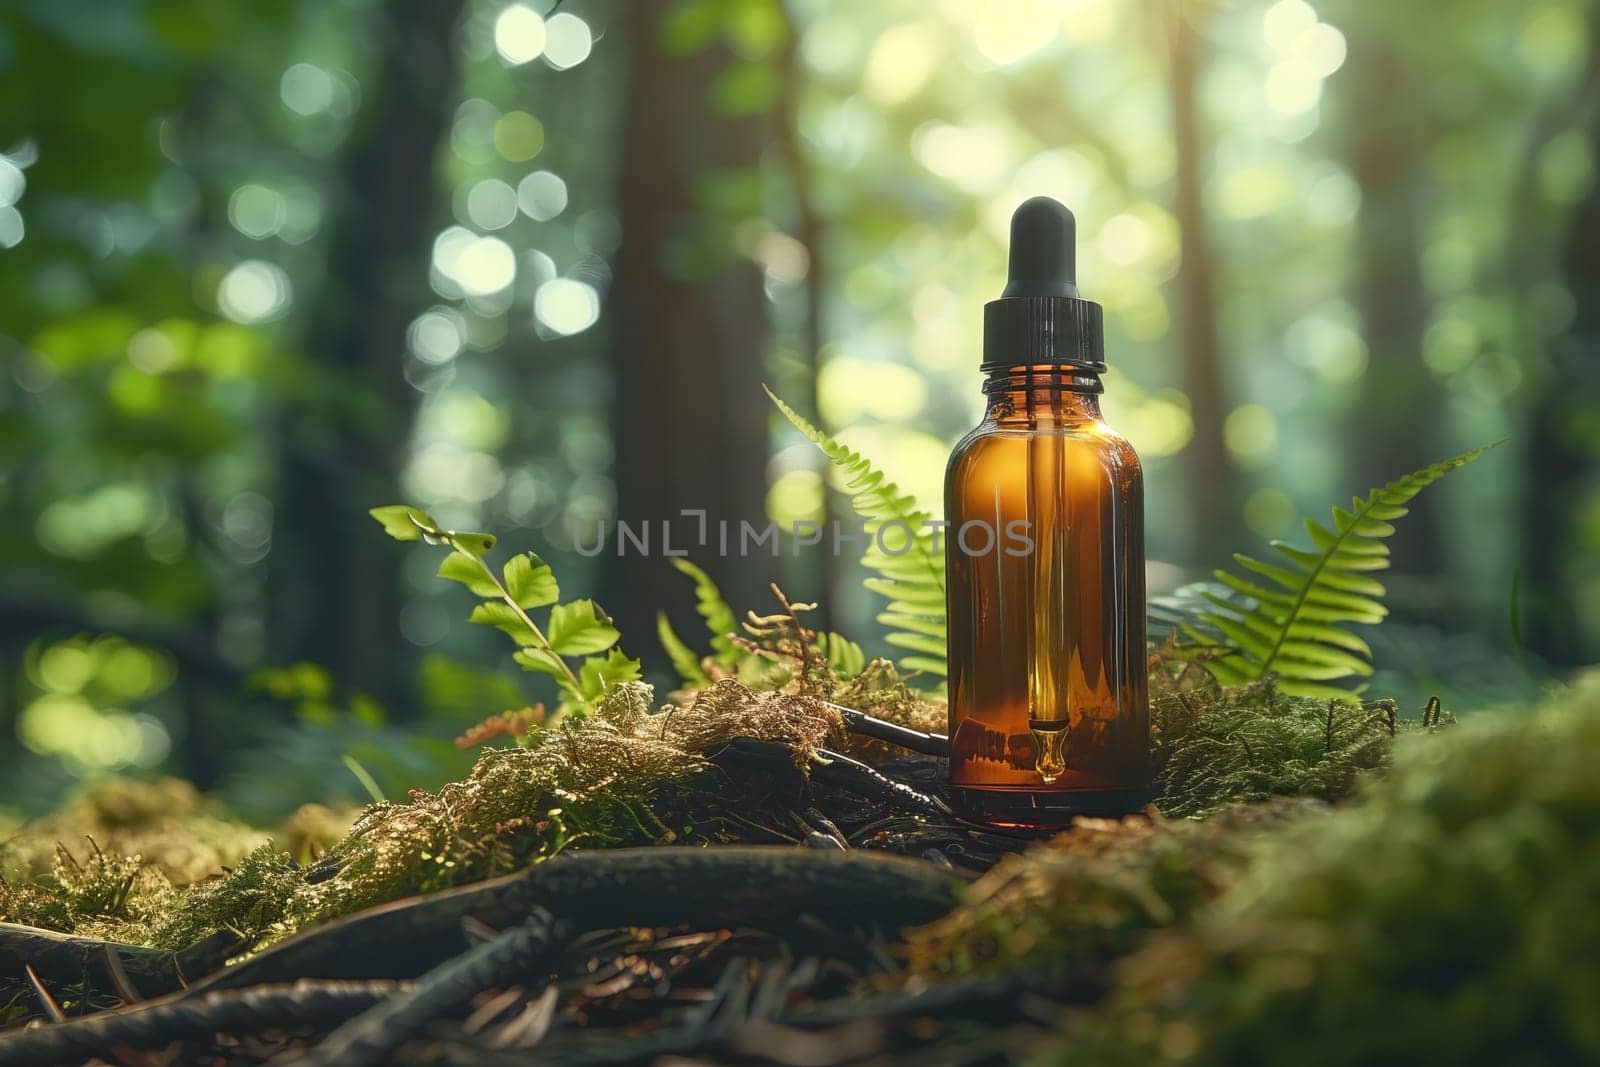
859 722
62 959
374 1035
180 1017
126 990
46 1001
836 769
530 1026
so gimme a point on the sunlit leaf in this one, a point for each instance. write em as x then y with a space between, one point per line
403 523
530 581
844 656
460 567
581 627
719 617
541 660
502 616
475 544
599 673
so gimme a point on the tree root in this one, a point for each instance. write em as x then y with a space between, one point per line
859 722
832 768
780 890
371 1037
64 960
161 1022
798 893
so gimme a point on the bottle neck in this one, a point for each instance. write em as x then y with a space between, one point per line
1048 393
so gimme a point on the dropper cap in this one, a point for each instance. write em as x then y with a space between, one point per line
1040 317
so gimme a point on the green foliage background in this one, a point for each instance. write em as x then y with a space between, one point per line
1334 241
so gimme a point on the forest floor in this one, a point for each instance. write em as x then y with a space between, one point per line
755 892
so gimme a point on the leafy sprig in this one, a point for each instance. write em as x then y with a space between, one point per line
577 629
774 649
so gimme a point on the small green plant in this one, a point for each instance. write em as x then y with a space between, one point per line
721 624
912 580
1292 627
762 659
579 629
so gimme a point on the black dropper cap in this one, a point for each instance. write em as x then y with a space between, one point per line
1040 318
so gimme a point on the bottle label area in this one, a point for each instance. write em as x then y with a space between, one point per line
1047 657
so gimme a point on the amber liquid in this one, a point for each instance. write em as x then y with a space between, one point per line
1049 710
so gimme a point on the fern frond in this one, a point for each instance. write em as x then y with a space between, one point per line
1288 618
912 579
721 623
844 656
684 660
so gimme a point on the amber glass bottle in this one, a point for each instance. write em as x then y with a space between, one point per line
1049 713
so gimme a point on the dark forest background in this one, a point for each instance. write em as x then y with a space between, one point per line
266 265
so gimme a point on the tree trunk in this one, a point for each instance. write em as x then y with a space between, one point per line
808 230
1397 420
336 586
690 335
1562 459
1559 469
1212 497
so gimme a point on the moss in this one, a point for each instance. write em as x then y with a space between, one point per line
1214 747
1091 893
588 781
165 822
1447 916
96 893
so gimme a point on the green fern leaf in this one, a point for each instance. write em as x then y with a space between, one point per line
1295 628
844 656
683 658
912 579
719 617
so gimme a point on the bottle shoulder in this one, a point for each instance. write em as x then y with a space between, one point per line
995 458
1094 435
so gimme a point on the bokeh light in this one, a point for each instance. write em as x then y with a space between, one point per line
519 35
12 182
81 712
518 136
309 90
255 291
476 265
491 204
849 390
568 40
435 336
1251 433
567 306
12 228
542 195
486 265
257 211
1306 52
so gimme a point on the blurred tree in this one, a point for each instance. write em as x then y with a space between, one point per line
689 317
810 232
1213 497
335 589
1386 147
1551 243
